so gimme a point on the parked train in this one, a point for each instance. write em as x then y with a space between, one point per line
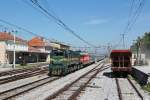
66 61
121 61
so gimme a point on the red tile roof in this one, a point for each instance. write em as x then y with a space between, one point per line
36 42
4 36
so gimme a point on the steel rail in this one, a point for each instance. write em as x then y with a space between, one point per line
118 89
12 93
66 87
22 76
77 93
134 87
17 91
17 71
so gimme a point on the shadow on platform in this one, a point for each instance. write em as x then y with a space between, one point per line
114 75
108 74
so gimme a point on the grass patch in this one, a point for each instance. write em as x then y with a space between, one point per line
25 66
146 88
30 65
130 77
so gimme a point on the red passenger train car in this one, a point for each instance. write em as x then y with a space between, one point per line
84 58
121 61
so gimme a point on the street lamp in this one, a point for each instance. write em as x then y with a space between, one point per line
14 49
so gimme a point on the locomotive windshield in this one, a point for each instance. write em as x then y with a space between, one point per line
57 53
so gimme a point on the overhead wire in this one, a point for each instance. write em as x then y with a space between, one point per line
134 13
130 14
60 22
47 16
25 30
29 4
133 16
137 14
48 7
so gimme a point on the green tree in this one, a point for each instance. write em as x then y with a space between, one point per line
142 42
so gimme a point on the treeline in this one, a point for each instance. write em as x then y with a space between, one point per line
142 43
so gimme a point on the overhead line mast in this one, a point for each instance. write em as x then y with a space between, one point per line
134 13
123 40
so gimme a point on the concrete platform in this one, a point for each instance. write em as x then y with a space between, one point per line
5 69
145 69
142 74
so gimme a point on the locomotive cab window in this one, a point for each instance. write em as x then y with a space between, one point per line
57 53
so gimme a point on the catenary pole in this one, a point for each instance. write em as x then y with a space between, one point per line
14 51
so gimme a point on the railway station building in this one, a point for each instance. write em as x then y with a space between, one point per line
35 50
39 49
45 47
58 45
7 48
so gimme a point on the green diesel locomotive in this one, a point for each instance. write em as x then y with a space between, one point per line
66 61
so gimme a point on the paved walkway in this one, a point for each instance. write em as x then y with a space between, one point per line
5 69
145 69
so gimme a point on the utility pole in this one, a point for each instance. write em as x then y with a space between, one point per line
14 51
138 49
109 49
96 49
123 40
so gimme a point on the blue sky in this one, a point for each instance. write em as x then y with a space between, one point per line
97 21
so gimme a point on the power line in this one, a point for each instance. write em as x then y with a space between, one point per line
133 16
23 29
29 4
137 14
18 27
60 22
48 6
135 10
130 14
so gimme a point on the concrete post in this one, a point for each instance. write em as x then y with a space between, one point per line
14 52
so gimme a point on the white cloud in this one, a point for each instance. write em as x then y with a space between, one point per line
96 21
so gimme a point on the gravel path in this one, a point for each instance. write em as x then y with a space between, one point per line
127 91
145 94
103 87
17 83
100 88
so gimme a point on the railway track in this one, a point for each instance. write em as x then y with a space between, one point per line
24 75
118 89
20 90
17 71
138 93
12 93
128 91
11 72
72 91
